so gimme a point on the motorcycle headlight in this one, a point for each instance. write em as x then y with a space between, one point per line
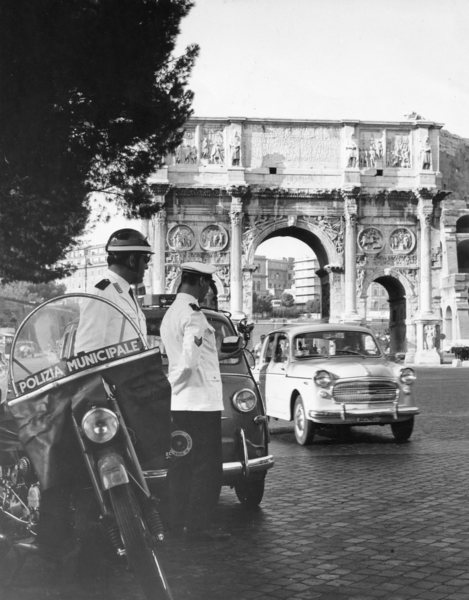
323 379
244 400
407 376
100 425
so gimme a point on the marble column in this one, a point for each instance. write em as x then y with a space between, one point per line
350 260
158 276
427 323
425 217
236 273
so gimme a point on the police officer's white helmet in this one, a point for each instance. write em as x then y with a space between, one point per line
128 240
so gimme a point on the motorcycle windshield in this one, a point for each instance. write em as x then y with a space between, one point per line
68 336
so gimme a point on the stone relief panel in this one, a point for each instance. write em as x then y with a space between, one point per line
436 256
402 241
186 152
212 146
398 149
214 238
254 225
370 150
180 238
370 240
293 147
332 226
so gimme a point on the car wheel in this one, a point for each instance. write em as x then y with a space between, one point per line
250 493
304 428
402 430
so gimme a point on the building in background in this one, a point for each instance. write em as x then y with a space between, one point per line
279 275
260 276
91 266
307 285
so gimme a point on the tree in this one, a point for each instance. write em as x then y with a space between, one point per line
313 306
287 299
31 292
261 304
91 99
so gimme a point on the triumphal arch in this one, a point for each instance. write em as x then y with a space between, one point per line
366 197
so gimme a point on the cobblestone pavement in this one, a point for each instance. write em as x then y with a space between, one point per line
360 518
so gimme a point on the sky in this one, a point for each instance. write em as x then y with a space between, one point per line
330 59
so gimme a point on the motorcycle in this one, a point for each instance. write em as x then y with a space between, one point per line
94 393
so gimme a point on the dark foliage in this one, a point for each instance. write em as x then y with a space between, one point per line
90 100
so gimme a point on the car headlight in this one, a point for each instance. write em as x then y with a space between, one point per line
407 376
323 379
244 400
100 425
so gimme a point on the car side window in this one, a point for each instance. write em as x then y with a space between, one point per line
269 349
281 349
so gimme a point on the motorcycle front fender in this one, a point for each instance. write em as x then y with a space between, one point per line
112 470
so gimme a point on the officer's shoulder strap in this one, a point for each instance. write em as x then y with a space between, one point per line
102 285
194 306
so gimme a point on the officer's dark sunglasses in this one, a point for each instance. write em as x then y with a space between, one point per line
146 258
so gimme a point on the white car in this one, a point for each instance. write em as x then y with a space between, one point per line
323 374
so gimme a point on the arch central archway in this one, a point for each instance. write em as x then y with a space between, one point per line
320 244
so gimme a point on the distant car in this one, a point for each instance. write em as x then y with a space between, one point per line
324 374
246 458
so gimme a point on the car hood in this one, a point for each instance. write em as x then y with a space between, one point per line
344 367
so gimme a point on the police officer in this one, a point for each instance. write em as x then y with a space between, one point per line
128 256
196 404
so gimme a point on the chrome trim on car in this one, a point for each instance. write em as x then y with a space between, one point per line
156 474
264 463
245 459
349 413
365 390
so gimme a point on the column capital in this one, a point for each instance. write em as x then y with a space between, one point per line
236 214
237 191
160 189
350 205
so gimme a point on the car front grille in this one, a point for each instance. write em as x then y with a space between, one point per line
365 391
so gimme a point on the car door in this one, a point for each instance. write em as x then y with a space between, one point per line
277 394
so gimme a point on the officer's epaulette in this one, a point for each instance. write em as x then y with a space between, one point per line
102 285
194 306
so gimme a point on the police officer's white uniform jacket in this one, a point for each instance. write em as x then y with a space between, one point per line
101 325
194 371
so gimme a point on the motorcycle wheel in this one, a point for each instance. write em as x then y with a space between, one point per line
138 544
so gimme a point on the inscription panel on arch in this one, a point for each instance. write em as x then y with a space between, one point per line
293 147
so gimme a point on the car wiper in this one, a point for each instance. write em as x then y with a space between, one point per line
312 356
354 352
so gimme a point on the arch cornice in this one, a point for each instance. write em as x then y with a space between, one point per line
295 193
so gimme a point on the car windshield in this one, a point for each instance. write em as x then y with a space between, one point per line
334 343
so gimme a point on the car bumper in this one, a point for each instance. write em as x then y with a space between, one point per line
353 414
231 470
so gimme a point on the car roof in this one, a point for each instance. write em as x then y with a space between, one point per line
309 328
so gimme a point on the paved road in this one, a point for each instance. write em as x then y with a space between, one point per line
357 519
